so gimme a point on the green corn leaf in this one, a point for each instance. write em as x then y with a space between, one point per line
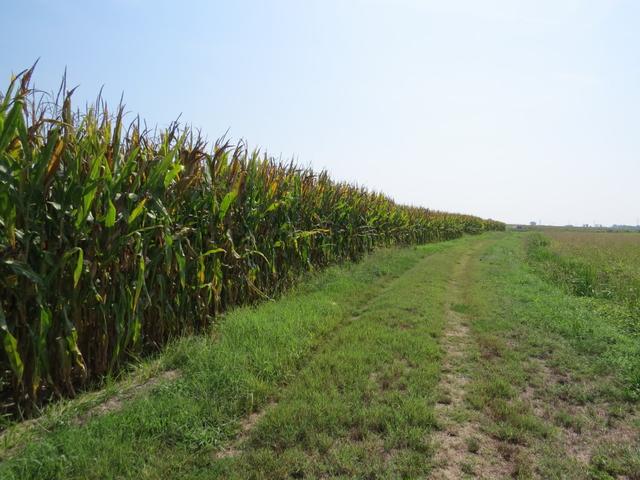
78 270
139 284
213 251
24 270
42 342
4 104
110 218
71 339
10 345
137 330
90 191
172 174
11 349
226 203
45 322
10 125
137 211
201 270
272 207
182 265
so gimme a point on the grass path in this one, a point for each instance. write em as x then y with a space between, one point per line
446 361
363 406
463 448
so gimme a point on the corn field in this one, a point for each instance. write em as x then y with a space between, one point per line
114 239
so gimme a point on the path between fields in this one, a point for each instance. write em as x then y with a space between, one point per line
362 407
235 448
461 444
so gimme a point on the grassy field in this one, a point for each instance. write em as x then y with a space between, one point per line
452 360
597 264
602 265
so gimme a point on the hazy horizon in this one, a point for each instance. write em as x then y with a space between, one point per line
518 111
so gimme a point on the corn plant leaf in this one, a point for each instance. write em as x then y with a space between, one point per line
42 346
201 270
10 345
10 125
139 284
24 270
214 251
110 218
54 161
71 339
272 207
78 270
182 265
226 203
137 211
172 174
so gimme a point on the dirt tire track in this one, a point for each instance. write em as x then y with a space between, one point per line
463 449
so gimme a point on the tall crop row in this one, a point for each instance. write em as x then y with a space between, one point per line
114 239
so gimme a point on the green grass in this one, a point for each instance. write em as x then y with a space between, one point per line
604 268
541 351
592 264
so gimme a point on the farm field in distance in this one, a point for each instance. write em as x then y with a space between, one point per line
597 263
462 359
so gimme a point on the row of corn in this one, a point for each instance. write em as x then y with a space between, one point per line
114 239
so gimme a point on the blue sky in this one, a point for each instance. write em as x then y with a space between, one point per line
516 110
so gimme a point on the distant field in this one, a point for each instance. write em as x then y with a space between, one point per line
593 264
